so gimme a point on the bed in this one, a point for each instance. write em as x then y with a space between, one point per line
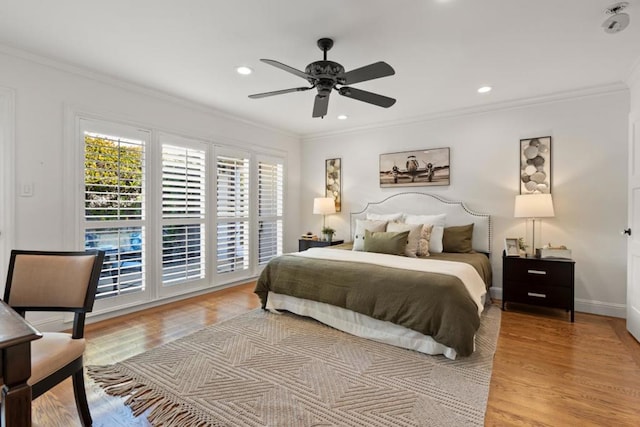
429 304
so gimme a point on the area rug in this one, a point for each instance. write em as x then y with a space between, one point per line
264 369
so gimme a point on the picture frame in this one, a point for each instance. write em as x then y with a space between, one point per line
333 181
535 165
428 167
511 246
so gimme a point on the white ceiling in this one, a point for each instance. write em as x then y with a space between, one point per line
442 50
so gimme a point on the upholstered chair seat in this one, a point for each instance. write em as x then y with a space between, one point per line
52 352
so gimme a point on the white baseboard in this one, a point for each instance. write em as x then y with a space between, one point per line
601 308
584 306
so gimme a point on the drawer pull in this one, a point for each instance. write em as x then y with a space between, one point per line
533 294
537 272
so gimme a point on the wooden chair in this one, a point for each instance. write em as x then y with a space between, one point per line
56 281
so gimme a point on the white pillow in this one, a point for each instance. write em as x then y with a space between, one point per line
414 230
435 243
385 217
438 222
361 226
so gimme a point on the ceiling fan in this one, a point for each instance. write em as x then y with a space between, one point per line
328 75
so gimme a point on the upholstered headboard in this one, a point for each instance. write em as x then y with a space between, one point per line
415 203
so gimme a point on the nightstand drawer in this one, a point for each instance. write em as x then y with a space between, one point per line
540 273
550 296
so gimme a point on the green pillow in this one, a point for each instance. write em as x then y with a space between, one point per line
385 242
458 239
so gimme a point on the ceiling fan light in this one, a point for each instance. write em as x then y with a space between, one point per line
484 89
244 70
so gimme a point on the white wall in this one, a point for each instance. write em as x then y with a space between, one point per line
44 91
589 181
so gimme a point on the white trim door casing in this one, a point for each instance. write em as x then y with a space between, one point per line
7 185
633 248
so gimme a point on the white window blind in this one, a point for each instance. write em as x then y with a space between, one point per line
114 206
183 213
233 206
270 209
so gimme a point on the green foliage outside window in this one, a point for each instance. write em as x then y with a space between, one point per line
113 179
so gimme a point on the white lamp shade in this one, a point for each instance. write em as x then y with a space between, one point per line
324 205
533 206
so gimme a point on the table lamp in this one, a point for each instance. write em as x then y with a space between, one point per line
533 206
324 206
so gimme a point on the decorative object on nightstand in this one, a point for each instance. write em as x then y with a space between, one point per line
324 206
545 282
533 206
327 233
511 246
304 244
548 251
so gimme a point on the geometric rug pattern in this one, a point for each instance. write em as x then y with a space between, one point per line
264 369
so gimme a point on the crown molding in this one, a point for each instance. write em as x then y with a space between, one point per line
481 109
137 88
634 76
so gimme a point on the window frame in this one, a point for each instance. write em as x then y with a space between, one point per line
246 273
73 201
99 126
190 284
273 160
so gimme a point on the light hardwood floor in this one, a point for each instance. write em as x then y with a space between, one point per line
547 371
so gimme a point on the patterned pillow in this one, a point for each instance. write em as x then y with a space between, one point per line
438 221
423 242
361 226
414 236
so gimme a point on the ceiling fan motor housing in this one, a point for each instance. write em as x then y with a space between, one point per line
324 69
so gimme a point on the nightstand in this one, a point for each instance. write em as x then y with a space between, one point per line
304 244
547 282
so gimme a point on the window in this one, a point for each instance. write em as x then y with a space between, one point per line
173 214
233 204
183 213
270 194
114 204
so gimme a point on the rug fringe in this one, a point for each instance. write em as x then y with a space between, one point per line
141 398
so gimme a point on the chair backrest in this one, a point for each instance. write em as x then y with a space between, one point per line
53 281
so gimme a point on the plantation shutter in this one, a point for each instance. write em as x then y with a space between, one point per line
232 209
183 211
115 204
270 208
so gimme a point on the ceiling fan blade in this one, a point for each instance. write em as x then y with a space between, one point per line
287 68
370 97
368 72
279 92
320 106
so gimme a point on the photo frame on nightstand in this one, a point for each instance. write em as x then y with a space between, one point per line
511 247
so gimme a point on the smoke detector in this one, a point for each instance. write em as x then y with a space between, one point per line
617 21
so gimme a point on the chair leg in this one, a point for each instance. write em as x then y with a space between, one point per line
81 398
